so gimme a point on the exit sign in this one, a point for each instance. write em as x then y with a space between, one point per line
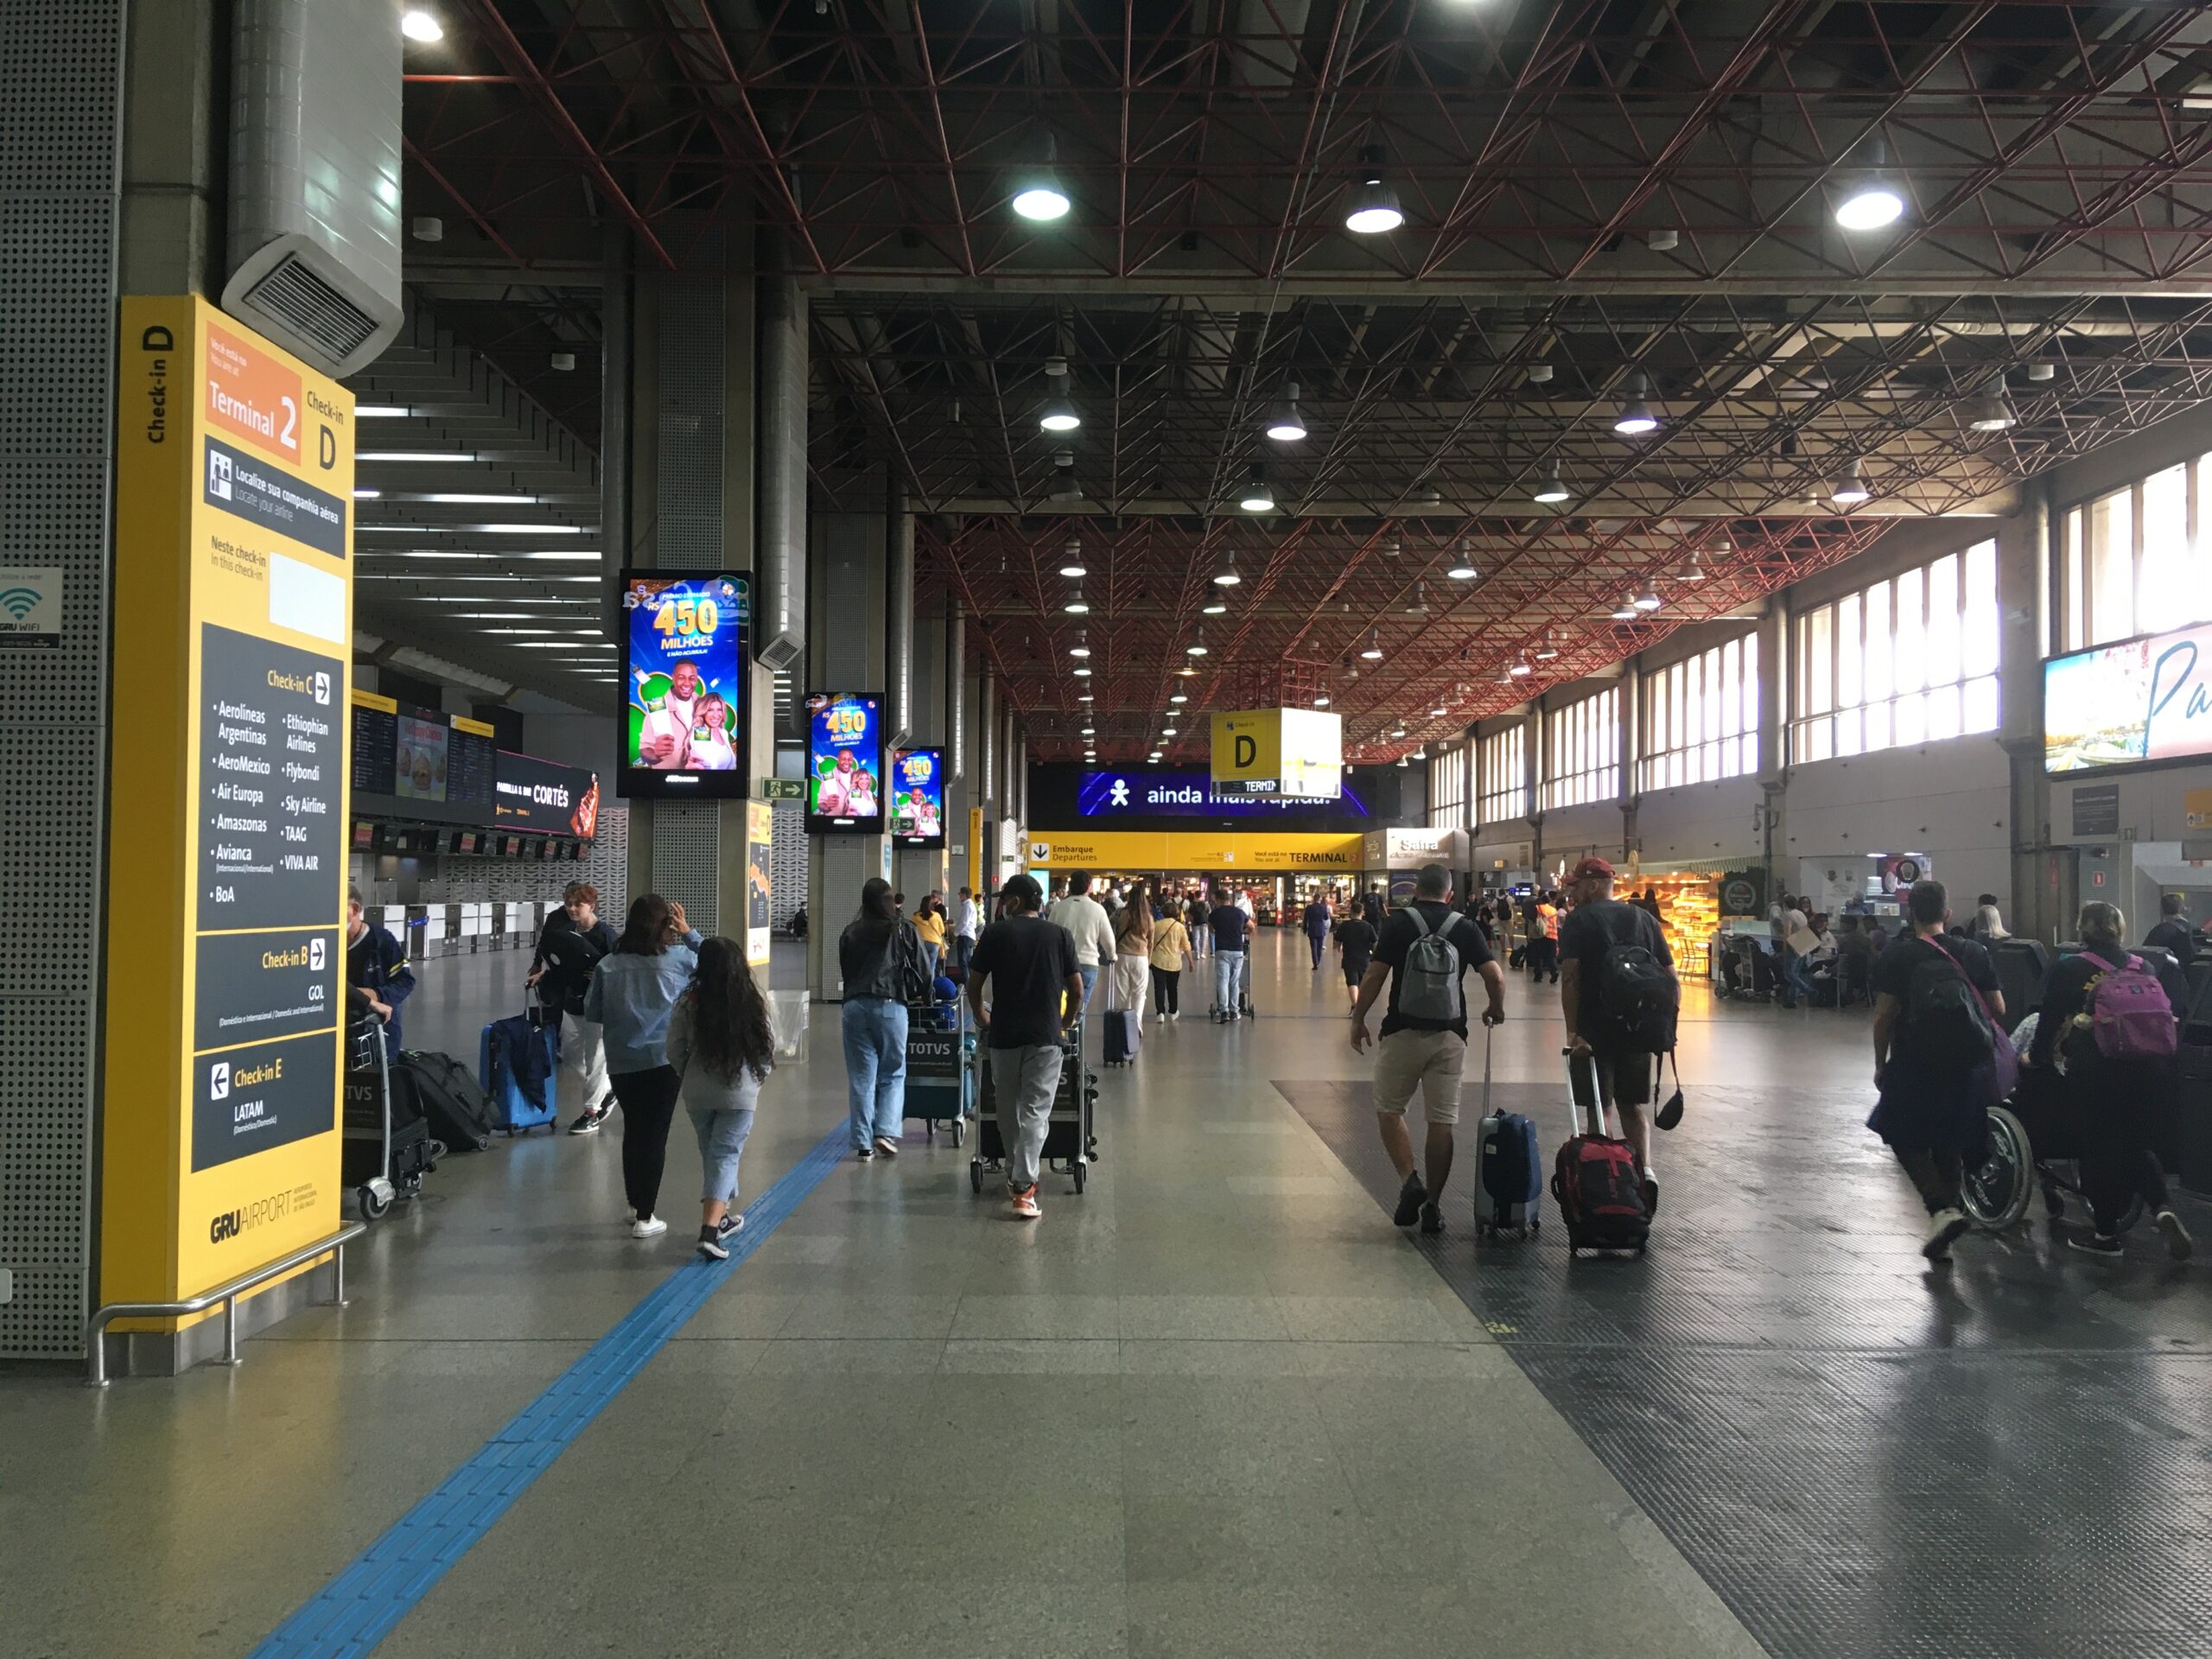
783 789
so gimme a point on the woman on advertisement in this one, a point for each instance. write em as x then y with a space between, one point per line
707 745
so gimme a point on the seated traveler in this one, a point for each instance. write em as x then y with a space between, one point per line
2105 1016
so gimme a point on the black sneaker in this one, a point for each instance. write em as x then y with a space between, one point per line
711 1245
1411 1197
863 1152
2098 1244
731 1224
589 1122
1432 1218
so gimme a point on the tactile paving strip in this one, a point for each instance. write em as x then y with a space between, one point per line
2011 1457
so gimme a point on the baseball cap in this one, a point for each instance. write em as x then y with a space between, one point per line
1592 866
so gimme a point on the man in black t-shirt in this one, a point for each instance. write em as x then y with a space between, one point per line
1426 1050
1229 927
1036 995
2173 931
1356 944
1605 1067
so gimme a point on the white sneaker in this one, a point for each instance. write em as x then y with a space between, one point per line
1943 1228
651 1227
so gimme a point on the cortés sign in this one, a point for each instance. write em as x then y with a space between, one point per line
548 799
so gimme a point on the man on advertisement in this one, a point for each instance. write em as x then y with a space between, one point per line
667 729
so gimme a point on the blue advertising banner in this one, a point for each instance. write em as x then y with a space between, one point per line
683 676
844 762
1150 793
917 797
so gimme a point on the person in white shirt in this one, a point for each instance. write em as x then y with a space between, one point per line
1087 923
1795 973
967 925
706 741
832 794
1244 904
662 738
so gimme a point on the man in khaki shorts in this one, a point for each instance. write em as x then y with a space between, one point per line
1424 952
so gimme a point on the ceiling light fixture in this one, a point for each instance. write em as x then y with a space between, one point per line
1227 576
1549 490
1374 205
416 454
1649 600
1635 418
380 411
1546 649
417 24
1320 699
366 495
1071 557
1076 605
1691 569
1871 203
1463 564
1848 487
1038 195
1258 497
1991 412
1065 486
1285 425
1520 667
1626 611
1373 650
1397 731
1083 673
1214 607
1058 414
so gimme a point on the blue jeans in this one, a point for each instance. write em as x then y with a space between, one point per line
1090 977
722 1142
1227 977
932 955
875 1068
1796 977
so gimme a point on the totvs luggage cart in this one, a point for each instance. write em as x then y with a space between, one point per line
386 1154
941 1065
1070 1144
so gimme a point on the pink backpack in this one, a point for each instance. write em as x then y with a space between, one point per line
2130 1014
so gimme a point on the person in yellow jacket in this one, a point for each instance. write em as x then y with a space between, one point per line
929 922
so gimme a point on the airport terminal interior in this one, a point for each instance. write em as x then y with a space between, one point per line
1465 550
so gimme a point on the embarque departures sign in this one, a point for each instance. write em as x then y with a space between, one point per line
227 791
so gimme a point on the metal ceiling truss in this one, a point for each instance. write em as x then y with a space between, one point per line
1599 194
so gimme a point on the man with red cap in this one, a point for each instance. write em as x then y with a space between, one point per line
1618 993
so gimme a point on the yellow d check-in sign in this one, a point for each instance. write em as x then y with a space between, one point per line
227 789
1247 748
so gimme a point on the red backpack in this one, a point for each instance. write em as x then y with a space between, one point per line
1601 1193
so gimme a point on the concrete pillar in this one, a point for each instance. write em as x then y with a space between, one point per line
692 390
921 870
1778 698
1532 759
847 640
2025 555
1632 750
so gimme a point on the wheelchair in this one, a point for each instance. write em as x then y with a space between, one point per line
2033 1148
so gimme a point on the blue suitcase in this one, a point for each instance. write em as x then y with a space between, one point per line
1122 1035
518 1065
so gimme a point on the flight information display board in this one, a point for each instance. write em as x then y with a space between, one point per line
420 764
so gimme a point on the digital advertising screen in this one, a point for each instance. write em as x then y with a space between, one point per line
2135 703
917 797
683 669
534 794
844 763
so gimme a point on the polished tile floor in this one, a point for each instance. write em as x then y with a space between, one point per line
1215 1405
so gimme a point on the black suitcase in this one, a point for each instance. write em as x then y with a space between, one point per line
1122 1036
2022 966
449 1098
1070 1142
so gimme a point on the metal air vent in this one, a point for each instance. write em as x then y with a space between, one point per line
294 300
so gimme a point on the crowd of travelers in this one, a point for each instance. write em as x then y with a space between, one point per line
656 1016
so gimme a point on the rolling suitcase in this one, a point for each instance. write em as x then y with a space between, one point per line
1597 1183
1509 1168
448 1099
1121 1036
516 1065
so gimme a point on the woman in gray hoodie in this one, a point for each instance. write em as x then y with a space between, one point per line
631 994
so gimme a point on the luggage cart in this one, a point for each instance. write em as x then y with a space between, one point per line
941 1061
1071 1145
384 1158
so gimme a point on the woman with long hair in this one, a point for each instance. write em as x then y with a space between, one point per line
1132 951
929 925
632 992
880 958
719 1044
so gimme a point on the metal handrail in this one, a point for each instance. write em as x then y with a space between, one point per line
227 1294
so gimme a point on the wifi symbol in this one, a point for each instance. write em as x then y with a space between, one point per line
17 602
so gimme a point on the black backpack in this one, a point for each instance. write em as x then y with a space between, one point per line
1945 1029
1639 997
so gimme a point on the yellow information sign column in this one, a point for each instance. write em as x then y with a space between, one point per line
227 790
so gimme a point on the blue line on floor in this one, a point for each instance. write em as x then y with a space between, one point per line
357 1608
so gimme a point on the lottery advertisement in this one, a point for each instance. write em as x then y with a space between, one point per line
845 781
917 797
683 671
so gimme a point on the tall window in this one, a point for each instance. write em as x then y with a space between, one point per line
1702 717
2138 561
1504 766
1447 790
1909 660
1582 751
